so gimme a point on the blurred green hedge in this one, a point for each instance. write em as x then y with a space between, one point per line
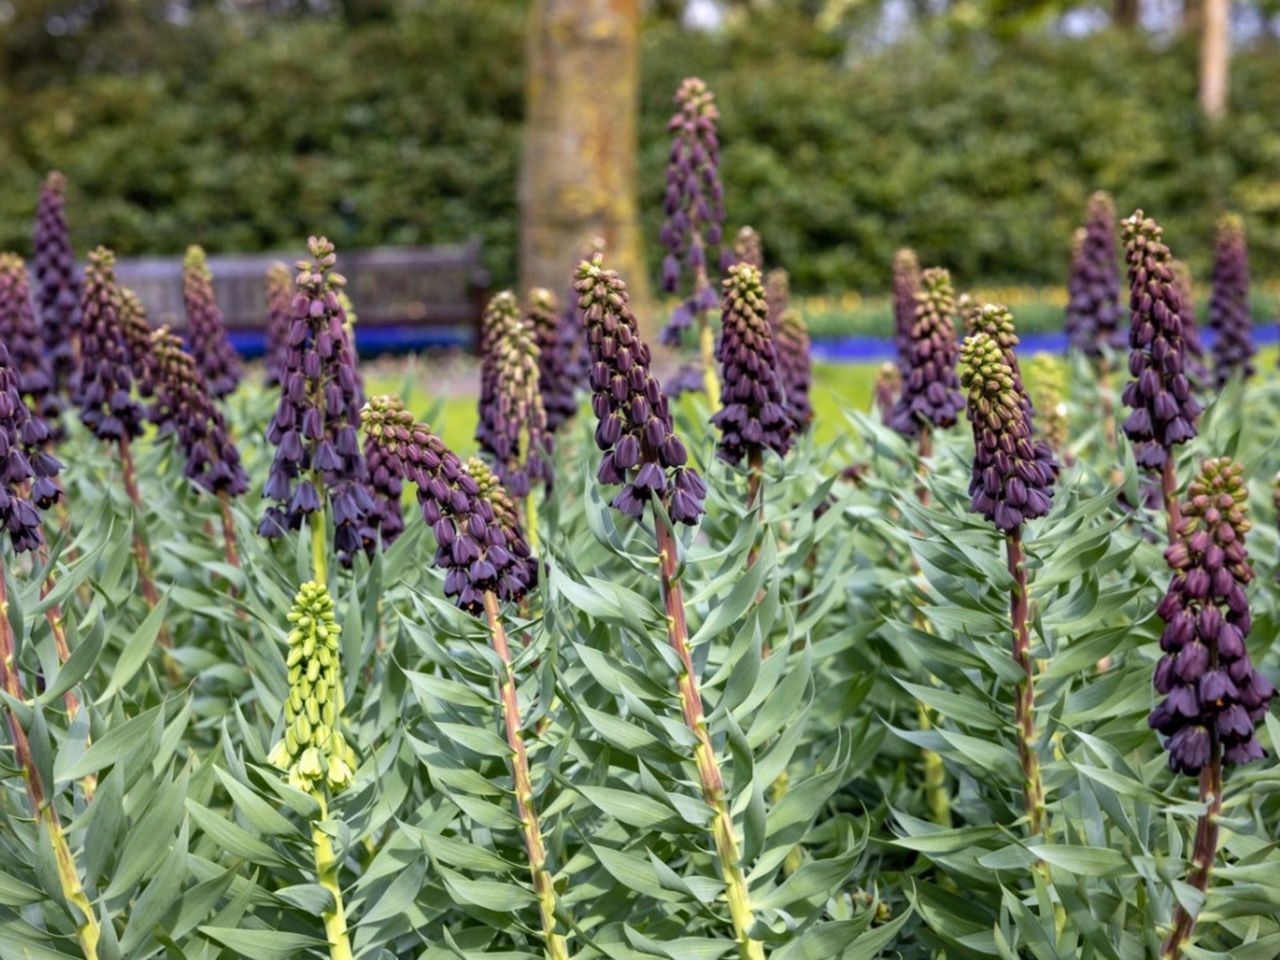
241 134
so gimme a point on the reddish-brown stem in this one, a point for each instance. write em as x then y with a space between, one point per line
53 614
140 552
1169 488
1024 702
736 892
557 947
1205 848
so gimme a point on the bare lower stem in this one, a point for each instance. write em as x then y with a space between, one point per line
1169 488
1024 702
319 548
327 875
556 945
143 556
1205 849
87 930
736 892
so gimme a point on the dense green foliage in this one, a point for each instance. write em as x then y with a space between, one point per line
241 133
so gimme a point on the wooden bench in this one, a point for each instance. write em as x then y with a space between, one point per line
406 298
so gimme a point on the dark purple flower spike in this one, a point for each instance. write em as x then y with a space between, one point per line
185 408
477 549
1213 695
747 248
906 284
753 416
28 472
279 318
795 367
314 428
206 332
28 356
556 342
1093 290
634 428
137 340
1194 361
930 391
57 280
1229 313
104 382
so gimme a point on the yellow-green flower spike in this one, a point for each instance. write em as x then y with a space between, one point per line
313 751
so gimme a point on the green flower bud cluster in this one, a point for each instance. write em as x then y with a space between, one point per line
313 750
984 373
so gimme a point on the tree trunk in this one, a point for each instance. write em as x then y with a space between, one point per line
1215 57
1124 13
578 170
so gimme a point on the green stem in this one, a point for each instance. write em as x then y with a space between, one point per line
1024 702
556 945
319 548
327 868
736 891
531 521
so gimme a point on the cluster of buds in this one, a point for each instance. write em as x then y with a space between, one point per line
315 425
28 472
1048 388
1093 290
20 332
475 549
184 407
1164 410
103 385
1229 314
795 366
634 426
930 391
753 414
137 341
906 285
555 340
313 750
385 488
747 248
512 428
1013 474
57 281
694 202
206 332
279 320
1213 695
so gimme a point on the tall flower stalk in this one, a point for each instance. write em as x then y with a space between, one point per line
555 339
1012 482
279 320
694 207
643 453
318 455
906 284
312 750
1229 313
28 354
486 560
206 332
512 428
185 408
57 282
1164 410
27 485
103 388
930 395
1213 695
1093 300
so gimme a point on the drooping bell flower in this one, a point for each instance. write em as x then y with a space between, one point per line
314 429
930 391
28 472
753 416
555 341
28 356
279 319
694 203
1093 291
1164 410
1229 313
634 428
57 281
206 332
906 284
477 551
512 428
103 384
1213 695
1013 474
185 408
